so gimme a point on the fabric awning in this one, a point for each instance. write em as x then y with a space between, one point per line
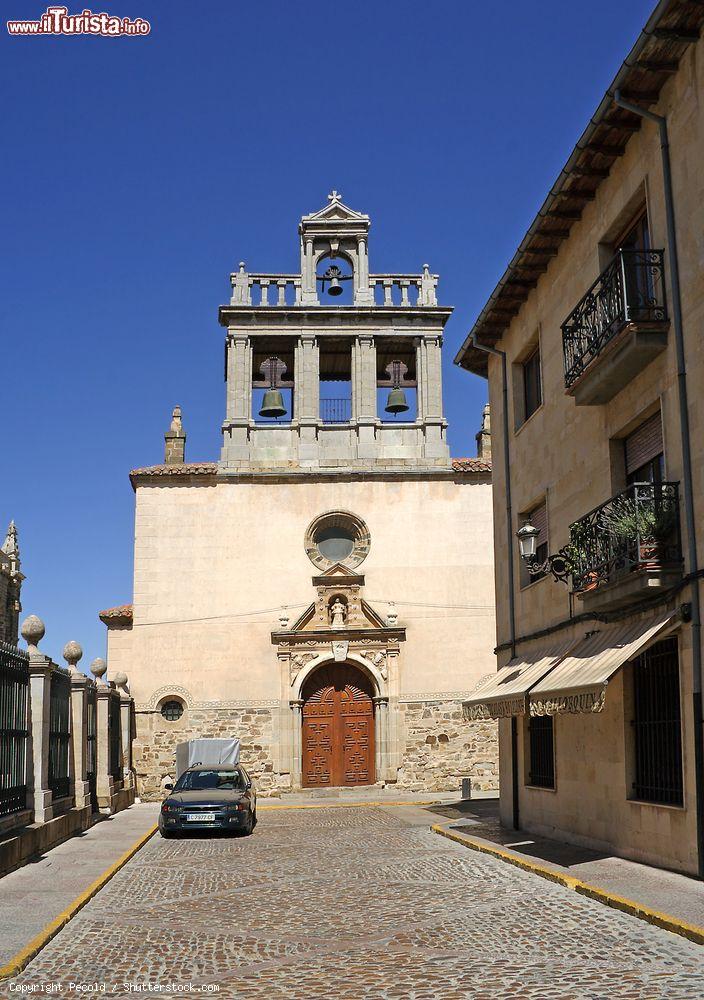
578 683
499 695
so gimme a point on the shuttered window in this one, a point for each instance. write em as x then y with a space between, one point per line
644 449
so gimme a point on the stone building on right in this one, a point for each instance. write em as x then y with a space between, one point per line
593 345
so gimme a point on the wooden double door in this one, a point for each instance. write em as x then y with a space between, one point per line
338 728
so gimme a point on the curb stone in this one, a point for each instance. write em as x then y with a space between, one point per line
20 961
663 920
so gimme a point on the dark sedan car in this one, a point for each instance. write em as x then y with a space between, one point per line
220 797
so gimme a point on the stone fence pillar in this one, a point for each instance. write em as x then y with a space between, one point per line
127 727
106 789
78 758
41 668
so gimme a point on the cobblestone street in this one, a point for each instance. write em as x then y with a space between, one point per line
355 904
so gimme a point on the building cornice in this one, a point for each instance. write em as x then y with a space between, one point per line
210 473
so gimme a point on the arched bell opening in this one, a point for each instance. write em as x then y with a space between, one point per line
335 279
397 393
338 745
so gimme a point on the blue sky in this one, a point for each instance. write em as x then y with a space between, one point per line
138 172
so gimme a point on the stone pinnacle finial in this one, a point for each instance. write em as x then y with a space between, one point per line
120 680
11 547
484 435
175 440
98 667
334 196
72 653
32 631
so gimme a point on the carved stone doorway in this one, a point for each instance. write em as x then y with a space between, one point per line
338 728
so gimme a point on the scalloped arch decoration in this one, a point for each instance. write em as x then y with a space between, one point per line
170 691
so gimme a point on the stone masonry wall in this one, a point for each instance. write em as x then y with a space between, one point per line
441 748
155 746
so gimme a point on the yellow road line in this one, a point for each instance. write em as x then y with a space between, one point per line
349 805
24 957
665 920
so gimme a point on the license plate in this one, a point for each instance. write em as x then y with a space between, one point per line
200 817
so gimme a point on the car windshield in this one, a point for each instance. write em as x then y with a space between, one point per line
193 781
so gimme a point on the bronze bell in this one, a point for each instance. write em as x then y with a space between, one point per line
272 404
335 286
396 403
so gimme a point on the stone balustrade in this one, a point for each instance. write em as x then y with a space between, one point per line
405 290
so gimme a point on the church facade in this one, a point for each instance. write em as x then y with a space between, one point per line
337 605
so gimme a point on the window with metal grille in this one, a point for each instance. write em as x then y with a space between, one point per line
541 751
172 710
656 725
532 388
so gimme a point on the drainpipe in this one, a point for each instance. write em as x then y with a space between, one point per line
509 552
673 262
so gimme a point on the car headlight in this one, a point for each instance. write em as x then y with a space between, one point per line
237 807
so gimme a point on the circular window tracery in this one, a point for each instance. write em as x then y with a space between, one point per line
337 536
172 710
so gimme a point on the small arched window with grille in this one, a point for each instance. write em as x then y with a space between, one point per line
172 710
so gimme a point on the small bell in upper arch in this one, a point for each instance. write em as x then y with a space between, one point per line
335 286
396 403
272 404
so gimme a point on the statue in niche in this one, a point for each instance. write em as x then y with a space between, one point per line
338 613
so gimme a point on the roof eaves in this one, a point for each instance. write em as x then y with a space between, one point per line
572 170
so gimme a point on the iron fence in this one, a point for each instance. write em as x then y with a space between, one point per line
114 740
14 688
656 725
335 411
92 744
637 528
59 733
630 290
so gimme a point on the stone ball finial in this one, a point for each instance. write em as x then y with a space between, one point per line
32 631
120 679
72 654
98 667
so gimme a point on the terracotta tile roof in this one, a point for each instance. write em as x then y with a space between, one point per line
471 465
122 613
186 469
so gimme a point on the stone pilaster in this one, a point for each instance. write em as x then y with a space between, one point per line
127 727
39 797
80 685
364 394
307 396
239 397
364 295
429 396
297 734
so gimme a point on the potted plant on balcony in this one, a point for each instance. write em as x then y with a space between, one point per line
639 530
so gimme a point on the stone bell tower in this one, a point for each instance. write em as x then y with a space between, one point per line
334 369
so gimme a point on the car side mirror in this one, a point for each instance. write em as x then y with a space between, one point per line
168 785
248 785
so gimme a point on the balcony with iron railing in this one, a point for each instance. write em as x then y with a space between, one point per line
617 328
628 548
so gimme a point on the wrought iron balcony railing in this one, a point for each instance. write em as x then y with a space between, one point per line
636 529
630 290
335 411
